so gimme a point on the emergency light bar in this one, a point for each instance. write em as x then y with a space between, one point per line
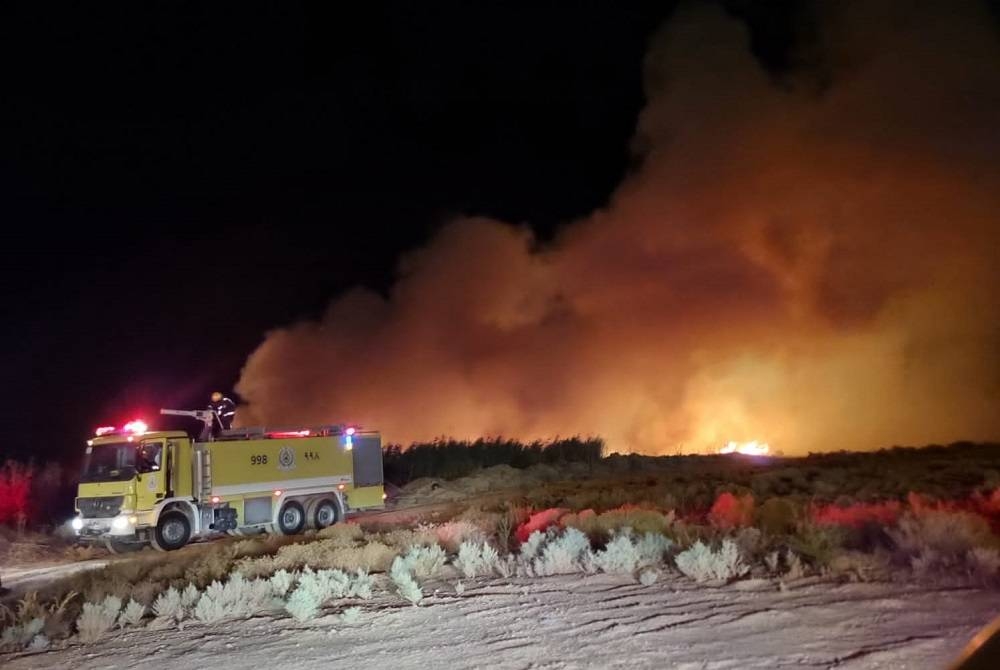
135 427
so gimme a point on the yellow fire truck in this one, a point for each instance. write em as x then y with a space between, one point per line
164 488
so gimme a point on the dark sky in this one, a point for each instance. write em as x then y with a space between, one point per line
178 178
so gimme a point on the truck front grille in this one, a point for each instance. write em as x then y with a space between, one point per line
99 508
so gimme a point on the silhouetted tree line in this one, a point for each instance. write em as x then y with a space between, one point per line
450 459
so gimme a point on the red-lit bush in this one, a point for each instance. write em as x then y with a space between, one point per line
856 515
731 511
15 492
539 521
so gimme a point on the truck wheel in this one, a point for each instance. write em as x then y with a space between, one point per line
327 513
172 532
291 518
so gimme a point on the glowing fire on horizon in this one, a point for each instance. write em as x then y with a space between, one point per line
752 448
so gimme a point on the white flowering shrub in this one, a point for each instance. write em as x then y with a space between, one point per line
531 548
406 585
648 577
619 557
281 582
316 587
304 603
23 635
38 643
653 548
361 585
98 618
425 562
700 563
564 554
169 605
237 598
479 558
132 614
190 596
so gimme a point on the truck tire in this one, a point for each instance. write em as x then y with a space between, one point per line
173 531
291 518
327 513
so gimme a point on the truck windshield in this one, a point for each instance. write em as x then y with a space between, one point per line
120 461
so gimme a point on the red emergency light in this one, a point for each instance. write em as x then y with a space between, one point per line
104 430
289 433
136 427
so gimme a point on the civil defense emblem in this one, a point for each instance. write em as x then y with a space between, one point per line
286 458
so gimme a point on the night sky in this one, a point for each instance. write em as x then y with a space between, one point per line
178 179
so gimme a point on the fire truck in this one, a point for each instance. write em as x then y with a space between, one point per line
165 488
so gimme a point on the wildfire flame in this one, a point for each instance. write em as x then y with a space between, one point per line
752 448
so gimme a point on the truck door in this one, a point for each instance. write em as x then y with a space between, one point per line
150 466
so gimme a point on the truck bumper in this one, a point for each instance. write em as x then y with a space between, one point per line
123 526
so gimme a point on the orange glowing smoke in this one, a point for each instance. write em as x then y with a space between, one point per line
813 260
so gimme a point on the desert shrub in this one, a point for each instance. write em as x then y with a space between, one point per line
17 636
315 588
281 582
98 618
620 556
942 531
539 521
346 534
652 548
751 542
424 562
862 567
132 614
818 544
304 603
533 545
648 577
777 516
477 558
404 538
322 554
361 585
145 591
168 605
563 553
209 568
730 511
237 598
600 526
406 585
452 534
701 563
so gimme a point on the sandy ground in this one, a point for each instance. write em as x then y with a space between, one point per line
599 621
20 579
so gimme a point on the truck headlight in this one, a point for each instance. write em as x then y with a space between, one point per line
76 523
121 522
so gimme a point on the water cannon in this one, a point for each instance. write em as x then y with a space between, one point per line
206 416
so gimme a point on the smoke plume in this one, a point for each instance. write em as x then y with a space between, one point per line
815 268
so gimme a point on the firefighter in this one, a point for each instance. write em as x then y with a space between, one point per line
224 410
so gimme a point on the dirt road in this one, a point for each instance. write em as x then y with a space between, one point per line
599 621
